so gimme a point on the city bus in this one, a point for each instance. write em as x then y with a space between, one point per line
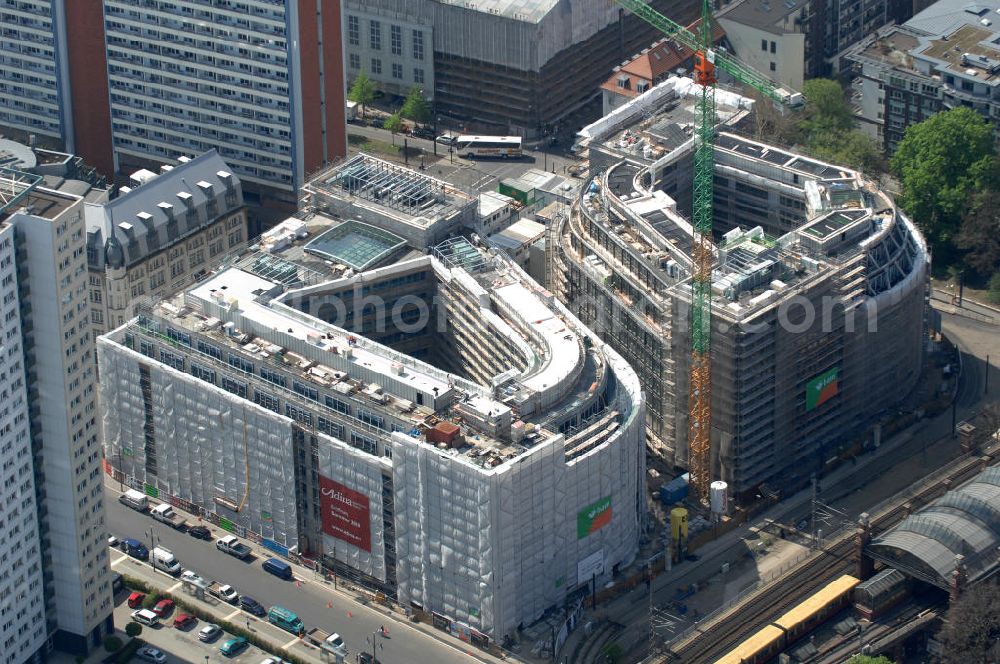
285 619
488 146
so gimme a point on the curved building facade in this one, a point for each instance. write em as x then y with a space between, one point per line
818 288
448 432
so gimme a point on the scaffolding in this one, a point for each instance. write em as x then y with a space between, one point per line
15 186
388 184
457 252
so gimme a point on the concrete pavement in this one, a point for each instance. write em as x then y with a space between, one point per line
311 597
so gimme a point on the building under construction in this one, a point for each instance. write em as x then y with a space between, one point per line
818 289
436 428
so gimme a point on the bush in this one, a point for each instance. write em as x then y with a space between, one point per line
128 652
151 600
993 290
112 643
133 583
133 629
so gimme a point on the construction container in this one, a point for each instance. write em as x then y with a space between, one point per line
675 490
445 432
719 497
678 524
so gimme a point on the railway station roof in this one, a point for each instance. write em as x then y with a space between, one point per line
964 522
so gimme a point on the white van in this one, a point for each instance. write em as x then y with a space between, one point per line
137 500
164 559
146 617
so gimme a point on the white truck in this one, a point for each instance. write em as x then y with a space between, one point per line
224 592
137 500
165 560
351 111
233 546
327 641
165 513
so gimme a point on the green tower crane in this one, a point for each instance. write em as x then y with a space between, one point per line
706 60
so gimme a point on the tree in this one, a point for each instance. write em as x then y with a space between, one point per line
416 107
362 91
865 659
979 234
993 290
827 129
971 632
133 629
826 108
393 123
940 162
112 643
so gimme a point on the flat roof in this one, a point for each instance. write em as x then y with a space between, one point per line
356 244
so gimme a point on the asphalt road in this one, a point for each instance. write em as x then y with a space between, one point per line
308 598
473 176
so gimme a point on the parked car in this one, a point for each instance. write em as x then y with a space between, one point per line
234 646
151 654
184 620
113 541
135 600
200 532
135 548
447 139
163 607
209 633
279 568
366 658
252 606
189 576
423 132
234 547
146 617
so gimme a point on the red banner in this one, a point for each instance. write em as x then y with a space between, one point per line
345 514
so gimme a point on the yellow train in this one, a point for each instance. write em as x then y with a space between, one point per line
768 642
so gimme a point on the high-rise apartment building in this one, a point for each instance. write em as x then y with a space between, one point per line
49 392
128 84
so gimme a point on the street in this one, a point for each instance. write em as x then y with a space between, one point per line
312 599
472 176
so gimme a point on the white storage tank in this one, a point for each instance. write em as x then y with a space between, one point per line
719 497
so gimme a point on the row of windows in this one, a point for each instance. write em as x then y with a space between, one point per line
375 37
354 61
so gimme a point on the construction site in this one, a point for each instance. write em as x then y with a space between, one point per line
434 428
817 289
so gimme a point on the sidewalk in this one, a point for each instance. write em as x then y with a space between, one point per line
345 590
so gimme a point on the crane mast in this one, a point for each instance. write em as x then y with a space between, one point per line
706 60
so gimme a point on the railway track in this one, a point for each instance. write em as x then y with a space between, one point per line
716 636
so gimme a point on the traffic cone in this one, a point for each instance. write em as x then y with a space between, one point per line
350 615
329 605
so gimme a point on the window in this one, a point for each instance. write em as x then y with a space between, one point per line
397 70
180 337
376 421
375 35
774 47
238 362
376 66
354 60
204 373
266 400
763 44
418 45
774 67
210 350
299 415
305 390
396 36
353 31
418 75
171 359
364 443
330 428
236 387
272 376
337 405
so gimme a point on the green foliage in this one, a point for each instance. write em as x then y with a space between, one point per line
416 107
393 123
133 629
941 162
826 129
993 290
865 659
112 643
126 654
979 234
151 600
972 624
362 91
